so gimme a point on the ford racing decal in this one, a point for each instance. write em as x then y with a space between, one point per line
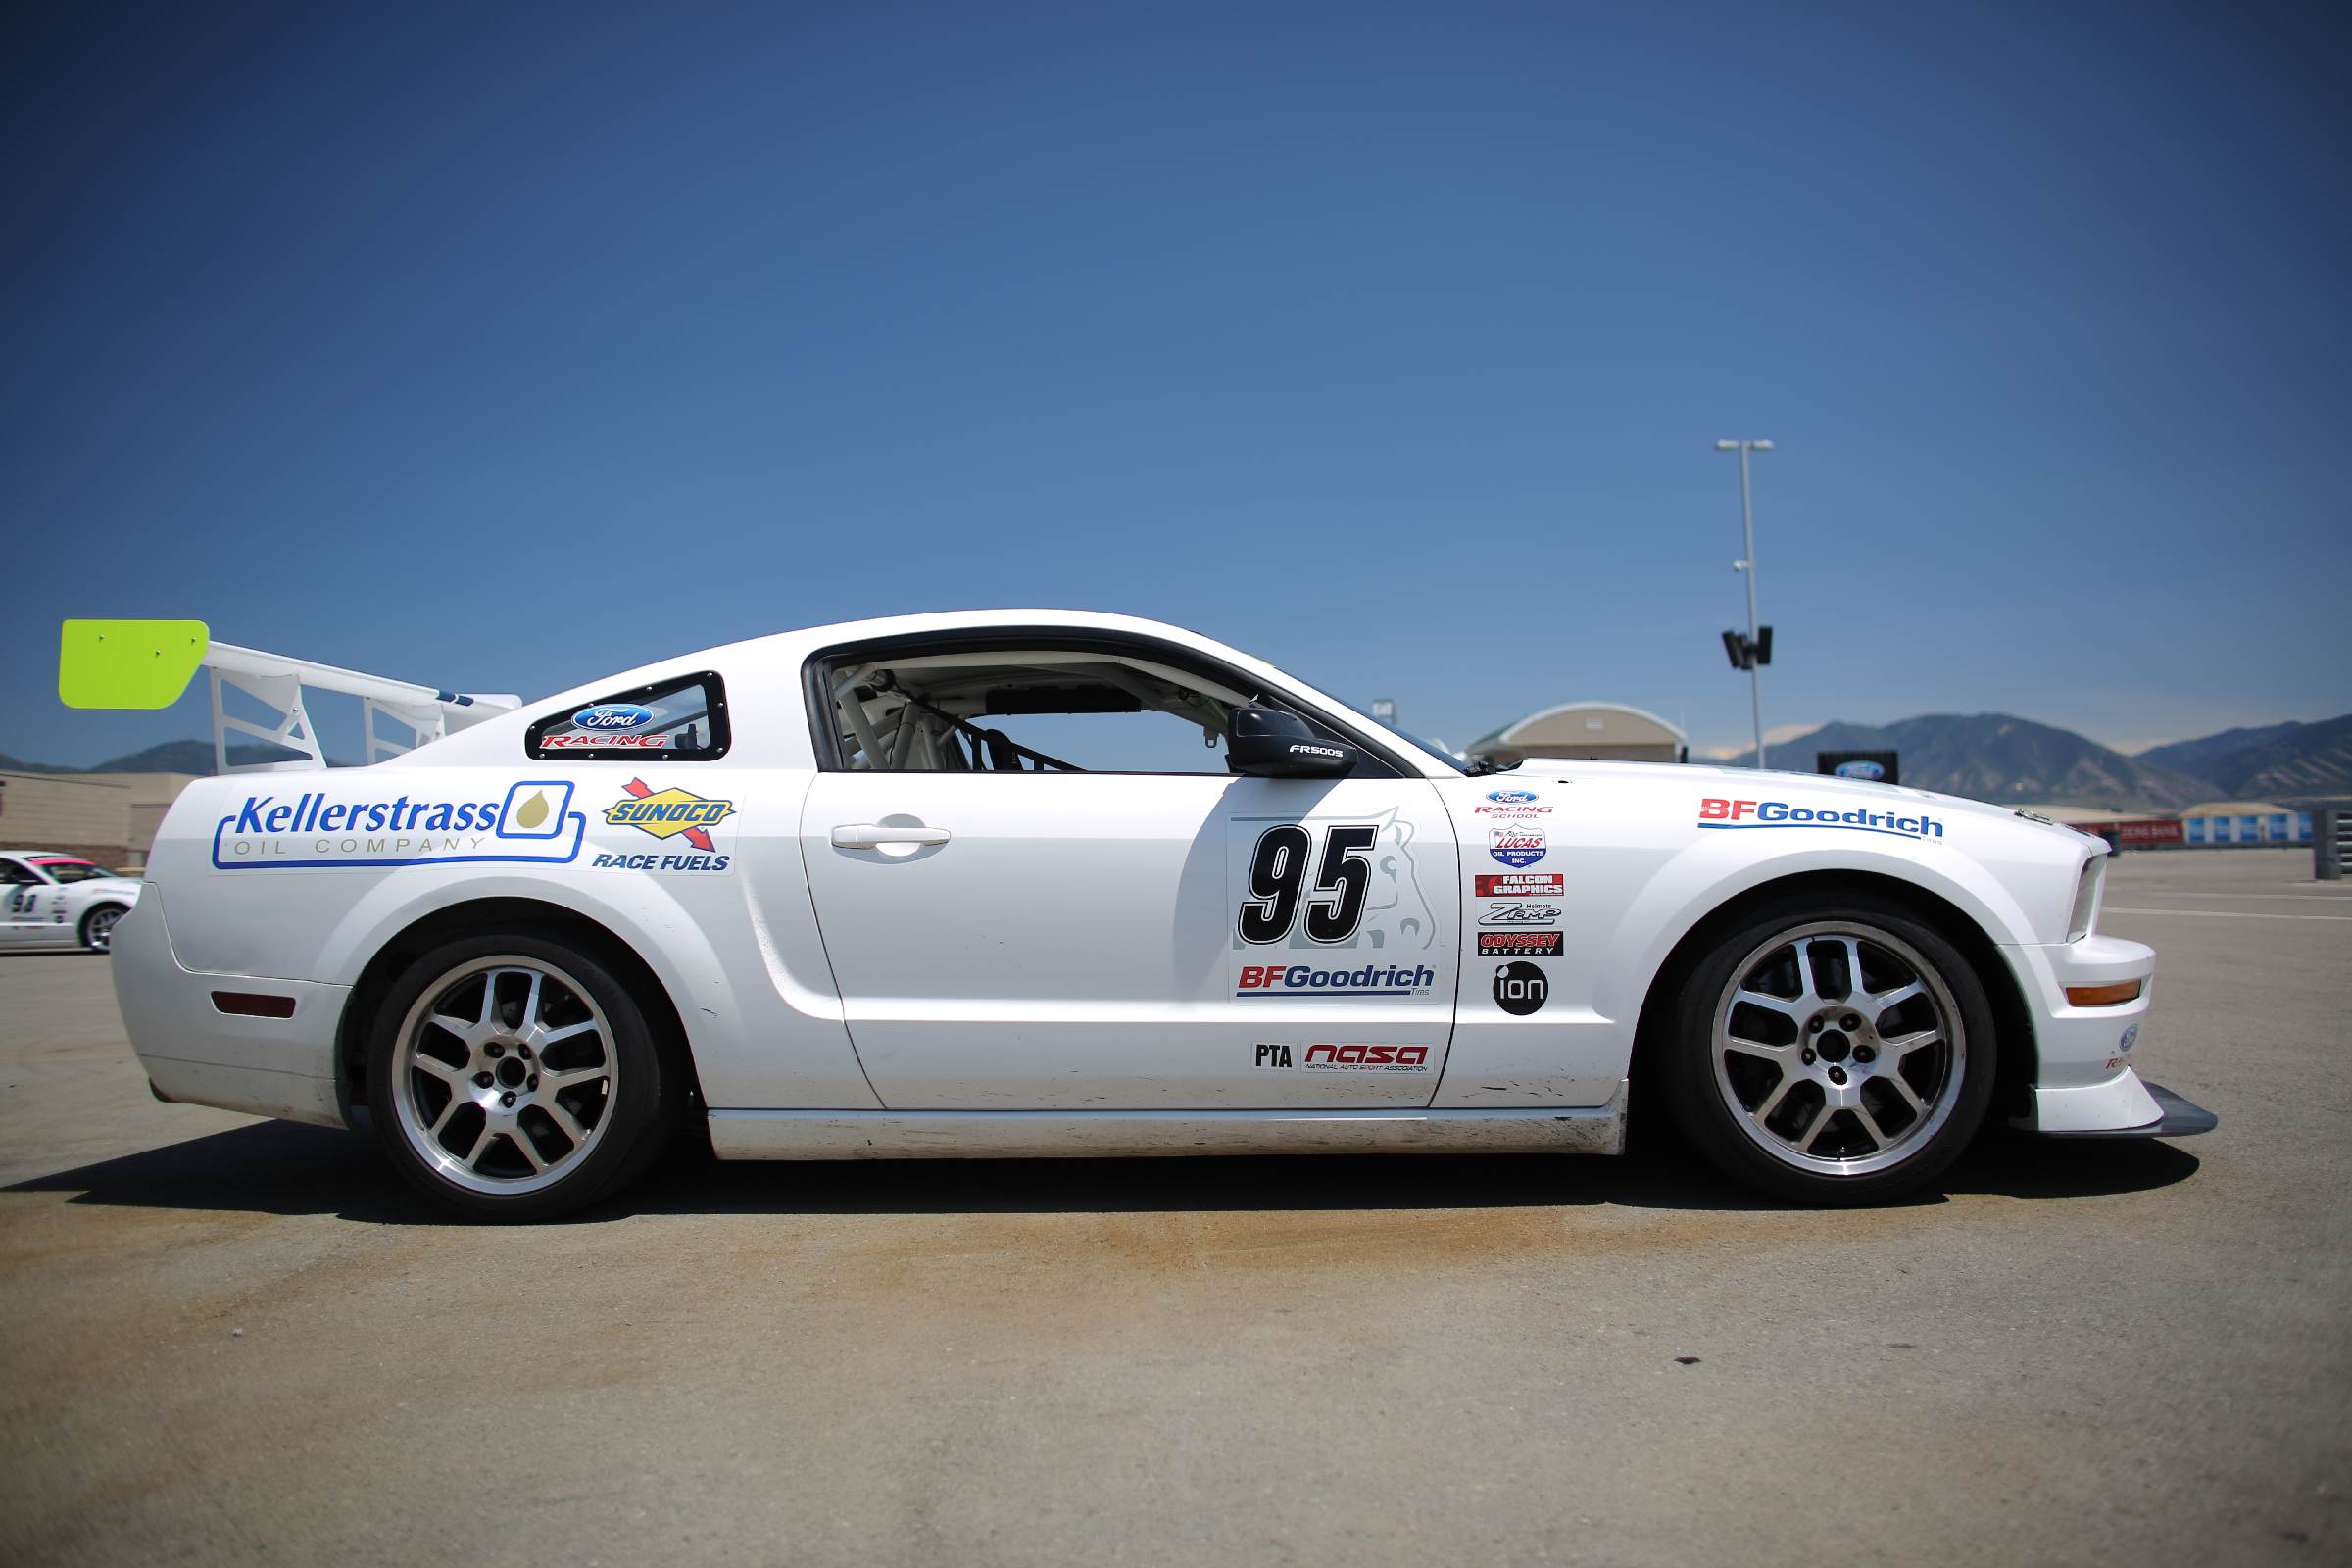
613 716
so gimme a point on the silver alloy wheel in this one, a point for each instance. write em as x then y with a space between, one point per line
506 1075
1839 1048
98 928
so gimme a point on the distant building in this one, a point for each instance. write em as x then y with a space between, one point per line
2244 822
107 817
1610 731
2122 830
69 812
151 795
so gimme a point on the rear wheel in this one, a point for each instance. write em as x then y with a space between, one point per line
98 927
1832 1051
513 1078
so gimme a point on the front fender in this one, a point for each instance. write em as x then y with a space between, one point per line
1714 871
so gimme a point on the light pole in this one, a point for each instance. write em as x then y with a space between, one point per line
1747 564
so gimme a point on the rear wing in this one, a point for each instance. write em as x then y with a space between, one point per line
149 663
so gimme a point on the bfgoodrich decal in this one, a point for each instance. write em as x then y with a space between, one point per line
332 826
1317 899
1744 814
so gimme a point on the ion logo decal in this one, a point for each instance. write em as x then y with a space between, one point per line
1521 885
1519 944
325 827
1715 813
668 813
1521 989
1516 844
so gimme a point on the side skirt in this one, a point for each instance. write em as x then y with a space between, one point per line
1041 1134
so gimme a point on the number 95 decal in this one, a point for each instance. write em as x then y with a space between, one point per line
1279 883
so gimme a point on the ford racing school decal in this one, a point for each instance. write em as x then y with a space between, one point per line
1327 908
330 826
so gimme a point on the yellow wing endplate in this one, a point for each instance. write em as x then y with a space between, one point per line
128 664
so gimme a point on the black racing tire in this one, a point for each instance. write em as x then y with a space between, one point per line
1769 1015
96 933
609 1101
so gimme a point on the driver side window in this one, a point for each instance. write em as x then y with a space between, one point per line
1041 709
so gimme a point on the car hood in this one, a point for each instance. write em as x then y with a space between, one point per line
1747 783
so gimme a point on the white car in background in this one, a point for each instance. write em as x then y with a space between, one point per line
48 898
1033 883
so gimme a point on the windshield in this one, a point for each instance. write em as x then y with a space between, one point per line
72 870
1407 735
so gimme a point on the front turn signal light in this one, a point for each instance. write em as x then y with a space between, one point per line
2114 996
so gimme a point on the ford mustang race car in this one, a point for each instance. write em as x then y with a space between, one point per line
1037 883
51 897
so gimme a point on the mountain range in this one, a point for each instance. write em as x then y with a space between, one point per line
172 756
1985 757
1999 757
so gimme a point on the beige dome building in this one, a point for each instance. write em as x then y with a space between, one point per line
1608 732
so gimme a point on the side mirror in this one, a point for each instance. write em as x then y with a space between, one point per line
1268 743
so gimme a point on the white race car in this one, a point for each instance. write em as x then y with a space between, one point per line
1033 883
53 899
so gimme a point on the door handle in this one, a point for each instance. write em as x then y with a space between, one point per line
872 836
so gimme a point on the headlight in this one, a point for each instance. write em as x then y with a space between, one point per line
2086 897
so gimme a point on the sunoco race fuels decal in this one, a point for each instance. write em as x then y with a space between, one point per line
668 813
1715 813
532 820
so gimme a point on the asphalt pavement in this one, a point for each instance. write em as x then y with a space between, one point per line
225 1340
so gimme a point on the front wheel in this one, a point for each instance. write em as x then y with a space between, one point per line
1832 1051
98 927
515 1078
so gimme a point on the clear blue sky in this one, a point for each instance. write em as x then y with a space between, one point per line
501 347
